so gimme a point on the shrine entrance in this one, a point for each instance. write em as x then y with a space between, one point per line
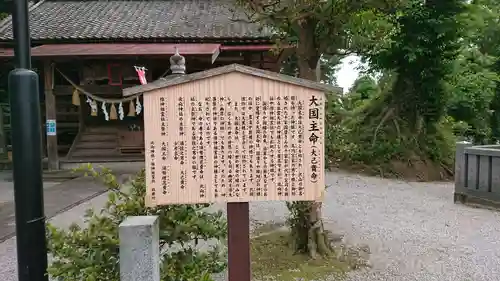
111 127
83 91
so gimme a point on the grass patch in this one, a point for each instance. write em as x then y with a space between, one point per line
264 228
273 258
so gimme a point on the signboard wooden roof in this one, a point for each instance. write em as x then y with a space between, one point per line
175 80
233 134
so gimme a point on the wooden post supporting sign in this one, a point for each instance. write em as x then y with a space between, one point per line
239 261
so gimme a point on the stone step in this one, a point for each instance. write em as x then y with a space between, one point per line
97 144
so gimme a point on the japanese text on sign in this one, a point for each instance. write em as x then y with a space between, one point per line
234 148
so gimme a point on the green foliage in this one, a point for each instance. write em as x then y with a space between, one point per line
404 123
338 143
363 89
474 103
325 28
91 253
472 90
483 26
422 54
403 119
360 140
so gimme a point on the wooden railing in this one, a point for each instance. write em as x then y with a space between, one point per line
477 174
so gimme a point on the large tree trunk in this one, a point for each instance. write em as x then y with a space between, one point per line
307 228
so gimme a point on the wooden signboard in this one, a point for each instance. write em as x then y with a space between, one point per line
233 135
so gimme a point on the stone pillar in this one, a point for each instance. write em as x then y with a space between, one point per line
140 249
460 166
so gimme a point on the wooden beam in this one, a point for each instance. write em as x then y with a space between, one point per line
50 115
81 112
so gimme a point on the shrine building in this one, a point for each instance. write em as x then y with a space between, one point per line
87 52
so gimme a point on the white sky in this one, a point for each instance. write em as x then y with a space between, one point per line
348 73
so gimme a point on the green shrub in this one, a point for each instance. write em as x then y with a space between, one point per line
361 140
91 253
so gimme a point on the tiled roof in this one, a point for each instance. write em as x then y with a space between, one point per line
135 20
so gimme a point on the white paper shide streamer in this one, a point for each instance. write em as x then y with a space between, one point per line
121 114
105 111
138 106
93 106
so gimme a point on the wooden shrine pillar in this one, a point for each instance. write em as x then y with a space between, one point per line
50 117
81 111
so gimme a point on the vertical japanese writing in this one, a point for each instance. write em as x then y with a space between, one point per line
280 147
163 117
314 129
234 147
165 179
284 103
296 148
216 145
206 141
256 162
181 104
230 146
194 154
221 150
164 151
273 144
264 176
245 135
183 179
180 153
283 110
300 143
165 172
200 139
152 166
237 138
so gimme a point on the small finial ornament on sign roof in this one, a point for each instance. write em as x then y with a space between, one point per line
177 63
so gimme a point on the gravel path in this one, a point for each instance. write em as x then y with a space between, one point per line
415 231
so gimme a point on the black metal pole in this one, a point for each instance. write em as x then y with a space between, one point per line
27 154
20 28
